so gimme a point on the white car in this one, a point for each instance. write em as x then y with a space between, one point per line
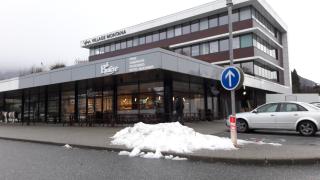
295 116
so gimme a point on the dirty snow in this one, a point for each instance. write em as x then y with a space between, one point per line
170 137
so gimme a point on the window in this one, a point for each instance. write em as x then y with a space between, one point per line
214 46
223 19
195 26
155 36
246 41
101 49
245 13
135 41
112 47
118 46
186 29
247 67
235 16
224 45
107 48
290 107
91 52
186 51
236 43
170 32
213 21
195 50
129 43
178 30
179 51
268 108
96 51
123 44
142 40
163 35
204 24
204 49
149 38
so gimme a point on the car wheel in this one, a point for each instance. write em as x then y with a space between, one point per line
307 128
242 126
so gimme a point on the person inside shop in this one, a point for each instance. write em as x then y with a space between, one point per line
179 110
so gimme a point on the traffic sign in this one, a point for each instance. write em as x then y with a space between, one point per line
231 78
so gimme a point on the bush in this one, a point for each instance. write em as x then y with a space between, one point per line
57 66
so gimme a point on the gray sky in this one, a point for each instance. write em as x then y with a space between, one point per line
36 31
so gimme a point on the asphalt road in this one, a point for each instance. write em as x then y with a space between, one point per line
20 160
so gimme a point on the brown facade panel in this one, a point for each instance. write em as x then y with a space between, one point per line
222 56
176 40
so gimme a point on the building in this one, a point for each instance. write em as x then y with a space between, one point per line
137 73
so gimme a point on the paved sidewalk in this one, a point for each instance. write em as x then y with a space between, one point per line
294 149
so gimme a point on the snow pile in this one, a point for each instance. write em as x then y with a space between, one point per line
67 146
150 155
169 137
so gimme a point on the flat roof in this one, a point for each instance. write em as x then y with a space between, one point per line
204 9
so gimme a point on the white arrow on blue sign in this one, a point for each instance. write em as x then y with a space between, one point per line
231 78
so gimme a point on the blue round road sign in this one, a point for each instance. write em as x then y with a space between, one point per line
231 78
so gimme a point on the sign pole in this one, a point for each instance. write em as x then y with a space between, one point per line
233 127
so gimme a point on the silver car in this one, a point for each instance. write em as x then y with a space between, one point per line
295 116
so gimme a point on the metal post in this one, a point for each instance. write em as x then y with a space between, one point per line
233 106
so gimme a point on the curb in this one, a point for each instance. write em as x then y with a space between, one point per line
208 159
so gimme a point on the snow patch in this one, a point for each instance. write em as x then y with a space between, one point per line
67 146
169 137
124 153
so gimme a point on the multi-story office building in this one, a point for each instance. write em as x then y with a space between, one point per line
137 73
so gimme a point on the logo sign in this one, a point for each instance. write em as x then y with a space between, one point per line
104 37
108 70
231 78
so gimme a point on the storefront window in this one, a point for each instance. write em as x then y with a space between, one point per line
118 46
123 44
135 41
129 43
149 38
163 35
142 40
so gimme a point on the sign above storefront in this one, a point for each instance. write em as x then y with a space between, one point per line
107 69
103 38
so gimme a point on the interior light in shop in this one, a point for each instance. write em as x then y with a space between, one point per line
135 99
173 98
159 98
184 100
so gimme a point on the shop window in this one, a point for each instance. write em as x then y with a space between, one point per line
107 48
123 44
112 47
142 40
118 46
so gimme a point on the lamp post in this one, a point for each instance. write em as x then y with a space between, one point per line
233 133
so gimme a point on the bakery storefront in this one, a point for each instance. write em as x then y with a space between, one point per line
137 87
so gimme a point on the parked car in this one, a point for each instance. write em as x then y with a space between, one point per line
316 104
295 116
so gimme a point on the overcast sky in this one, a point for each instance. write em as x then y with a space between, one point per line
36 31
